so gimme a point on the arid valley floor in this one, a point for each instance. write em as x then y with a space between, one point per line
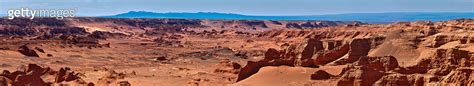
186 52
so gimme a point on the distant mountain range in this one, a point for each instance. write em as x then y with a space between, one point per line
364 17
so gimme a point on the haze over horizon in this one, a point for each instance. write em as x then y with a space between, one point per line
244 7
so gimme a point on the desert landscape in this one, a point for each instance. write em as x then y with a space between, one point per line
87 51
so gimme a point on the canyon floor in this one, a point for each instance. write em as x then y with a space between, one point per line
187 52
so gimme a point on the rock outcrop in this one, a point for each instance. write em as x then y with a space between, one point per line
400 80
359 76
33 75
441 62
27 51
320 74
311 53
227 66
367 70
385 63
110 78
459 77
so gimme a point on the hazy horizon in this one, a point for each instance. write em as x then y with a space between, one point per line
5 14
244 7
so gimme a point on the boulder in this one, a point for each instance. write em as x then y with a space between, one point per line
32 76
320 75
124 83
27 51
66 75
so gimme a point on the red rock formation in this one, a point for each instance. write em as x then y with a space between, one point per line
311 53
367 70
66 75
105 35
33 74
226 66
272 58
320 74
397 80
442 62
4 81
332 55
355 49
110 77
359 76
27 51
300 55
459 77
359 48
385 63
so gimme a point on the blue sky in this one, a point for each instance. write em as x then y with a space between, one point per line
248 7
